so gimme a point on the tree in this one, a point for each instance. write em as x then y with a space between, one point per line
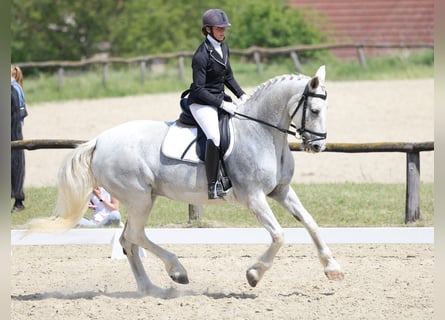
156 26
270 24
70 30
58 29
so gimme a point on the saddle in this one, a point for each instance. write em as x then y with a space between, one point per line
185 140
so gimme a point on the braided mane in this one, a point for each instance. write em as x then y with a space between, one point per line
275 80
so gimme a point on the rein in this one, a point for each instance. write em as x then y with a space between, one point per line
302 129
266 123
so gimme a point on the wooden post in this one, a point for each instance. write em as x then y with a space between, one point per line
361 56
60 78
412 209
195 213
143 71
257 58
105 74
296 61
181 68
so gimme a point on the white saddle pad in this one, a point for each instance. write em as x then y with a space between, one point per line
179 138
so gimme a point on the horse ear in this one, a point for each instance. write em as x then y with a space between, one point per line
321 74
313 84
318 78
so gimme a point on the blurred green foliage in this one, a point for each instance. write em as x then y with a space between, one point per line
71 30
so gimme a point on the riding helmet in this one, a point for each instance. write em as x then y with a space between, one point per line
215 18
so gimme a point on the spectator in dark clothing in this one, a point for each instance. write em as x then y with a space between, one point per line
17 155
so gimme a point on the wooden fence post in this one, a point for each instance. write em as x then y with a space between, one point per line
181 68
361 56
296 61
105 74
143 70
195 213
412 209
60 78
257 58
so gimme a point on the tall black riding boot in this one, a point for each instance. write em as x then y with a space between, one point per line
212 169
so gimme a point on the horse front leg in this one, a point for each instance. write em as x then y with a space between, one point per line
289 200
260 208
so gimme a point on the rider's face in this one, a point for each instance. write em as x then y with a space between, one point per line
219 33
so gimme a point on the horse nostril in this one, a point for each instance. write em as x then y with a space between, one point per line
316 147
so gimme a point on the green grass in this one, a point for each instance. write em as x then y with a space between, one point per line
340 205
126 80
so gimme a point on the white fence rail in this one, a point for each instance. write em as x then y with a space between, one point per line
231 236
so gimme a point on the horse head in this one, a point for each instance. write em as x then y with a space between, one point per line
309 113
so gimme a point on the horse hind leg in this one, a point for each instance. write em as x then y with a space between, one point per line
290 201
132 252
145 286
134 237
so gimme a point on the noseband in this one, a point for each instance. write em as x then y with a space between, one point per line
302 129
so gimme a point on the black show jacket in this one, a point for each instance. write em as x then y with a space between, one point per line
210 74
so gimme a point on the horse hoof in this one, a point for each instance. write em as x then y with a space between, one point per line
180 278
334 275
252 277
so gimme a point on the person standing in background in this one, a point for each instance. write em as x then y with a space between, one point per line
17 155
17 83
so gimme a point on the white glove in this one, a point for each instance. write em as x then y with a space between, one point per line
244 98
229 107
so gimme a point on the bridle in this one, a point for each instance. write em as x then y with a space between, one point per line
302 102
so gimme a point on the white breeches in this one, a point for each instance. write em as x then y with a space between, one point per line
207 118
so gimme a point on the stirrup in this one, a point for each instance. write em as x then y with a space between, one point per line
225 182
216 191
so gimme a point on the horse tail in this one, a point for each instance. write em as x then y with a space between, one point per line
75 182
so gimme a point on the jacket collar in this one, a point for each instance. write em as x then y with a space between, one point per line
211 49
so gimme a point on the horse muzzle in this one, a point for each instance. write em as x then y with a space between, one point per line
313 144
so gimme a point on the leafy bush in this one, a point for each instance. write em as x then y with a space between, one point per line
270 24
73 30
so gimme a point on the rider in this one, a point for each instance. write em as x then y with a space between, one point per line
211 71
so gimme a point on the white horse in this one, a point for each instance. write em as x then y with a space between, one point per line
127 161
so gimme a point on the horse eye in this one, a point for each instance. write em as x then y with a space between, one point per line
315 111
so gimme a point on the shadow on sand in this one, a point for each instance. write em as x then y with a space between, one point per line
170 293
